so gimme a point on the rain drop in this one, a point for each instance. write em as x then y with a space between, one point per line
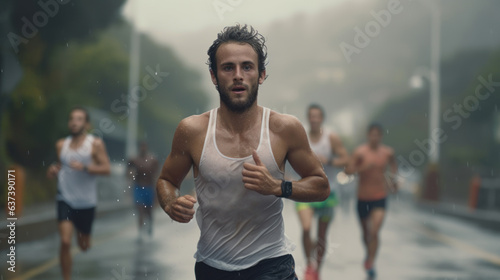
117 200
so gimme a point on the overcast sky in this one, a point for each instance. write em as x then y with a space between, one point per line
181 16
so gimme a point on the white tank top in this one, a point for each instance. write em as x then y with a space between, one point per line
77 188
239 227
324 148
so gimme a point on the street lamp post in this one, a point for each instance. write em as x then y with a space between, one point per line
433 76
133 105
435 99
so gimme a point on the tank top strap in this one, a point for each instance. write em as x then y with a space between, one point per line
212 122
87 144
65 146
265 125
209 145
327 140
212 127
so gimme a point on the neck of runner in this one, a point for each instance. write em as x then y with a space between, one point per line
236 121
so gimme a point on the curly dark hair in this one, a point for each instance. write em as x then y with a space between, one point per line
241 34
318 107
376 126
83 109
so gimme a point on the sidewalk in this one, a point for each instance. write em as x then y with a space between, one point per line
484 218
39 221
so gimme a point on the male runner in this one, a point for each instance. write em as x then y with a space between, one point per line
81 157
142 171
238 153
370 161
332 154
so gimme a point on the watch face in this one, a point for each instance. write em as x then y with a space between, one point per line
288 188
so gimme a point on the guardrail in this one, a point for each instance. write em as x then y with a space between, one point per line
489 194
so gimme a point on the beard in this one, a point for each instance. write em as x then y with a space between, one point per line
238 106
78 132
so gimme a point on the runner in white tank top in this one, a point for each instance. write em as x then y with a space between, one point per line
81 157
238 153
236 235
332 154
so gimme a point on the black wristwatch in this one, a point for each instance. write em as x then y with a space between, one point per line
286 189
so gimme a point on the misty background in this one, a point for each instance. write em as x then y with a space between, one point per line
81 57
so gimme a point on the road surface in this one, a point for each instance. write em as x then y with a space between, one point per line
415 245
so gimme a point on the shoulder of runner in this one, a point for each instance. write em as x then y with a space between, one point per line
285 126
190 134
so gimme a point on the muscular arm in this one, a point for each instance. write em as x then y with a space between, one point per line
100 164
56 166
393 167
351 167
175 169
342 157
314 184
357 164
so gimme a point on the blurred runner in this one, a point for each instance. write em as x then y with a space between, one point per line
238 152
332 154
81 157
143 170
370 161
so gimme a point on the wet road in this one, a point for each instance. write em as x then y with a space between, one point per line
415 245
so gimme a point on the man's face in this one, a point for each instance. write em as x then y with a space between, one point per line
238 76
315 118
374 137
77 123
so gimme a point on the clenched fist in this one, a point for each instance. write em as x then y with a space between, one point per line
182 209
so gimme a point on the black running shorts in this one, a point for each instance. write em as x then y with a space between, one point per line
365 207
82 219
282 268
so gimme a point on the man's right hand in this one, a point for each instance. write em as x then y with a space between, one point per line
182 209
53 170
